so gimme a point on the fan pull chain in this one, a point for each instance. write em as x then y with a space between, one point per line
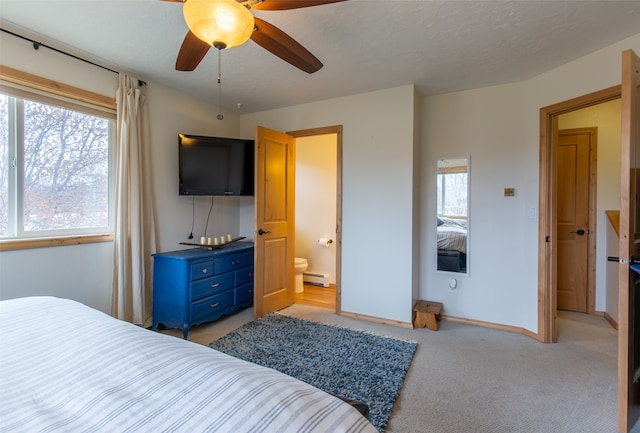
220 116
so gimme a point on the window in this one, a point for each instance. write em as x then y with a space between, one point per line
55 166
452 191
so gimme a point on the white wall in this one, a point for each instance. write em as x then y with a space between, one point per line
377 198
606 117
496 126
418 199
79 272
84 272
172 113
316 171
486 125
499 128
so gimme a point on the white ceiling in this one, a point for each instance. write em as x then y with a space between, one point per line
365 45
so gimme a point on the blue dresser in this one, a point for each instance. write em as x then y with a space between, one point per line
199 285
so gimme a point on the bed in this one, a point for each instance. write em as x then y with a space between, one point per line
65 367
452 244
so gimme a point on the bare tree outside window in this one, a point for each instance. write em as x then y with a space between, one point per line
452 194
65 168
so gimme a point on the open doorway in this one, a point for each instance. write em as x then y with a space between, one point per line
318 215
548 211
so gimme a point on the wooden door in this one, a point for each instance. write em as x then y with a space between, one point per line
573 180
629 279
275 213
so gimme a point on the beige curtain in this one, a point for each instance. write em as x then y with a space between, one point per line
134 236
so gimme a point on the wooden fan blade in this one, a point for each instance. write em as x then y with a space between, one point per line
281 5
284 46
191 53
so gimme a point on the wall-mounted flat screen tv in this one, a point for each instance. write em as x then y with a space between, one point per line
215 165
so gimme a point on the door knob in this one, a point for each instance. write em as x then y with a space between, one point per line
580 232
623 261
262 232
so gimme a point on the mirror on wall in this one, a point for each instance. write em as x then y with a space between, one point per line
452 176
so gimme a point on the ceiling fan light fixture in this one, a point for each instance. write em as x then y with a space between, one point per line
219 23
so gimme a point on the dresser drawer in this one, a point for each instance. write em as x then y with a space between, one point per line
244 294
211 286
244 276
211 305
232 262
201 270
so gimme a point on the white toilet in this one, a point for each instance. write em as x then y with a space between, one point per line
300 266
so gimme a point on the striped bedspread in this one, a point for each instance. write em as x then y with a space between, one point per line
65 367
452 234
452 237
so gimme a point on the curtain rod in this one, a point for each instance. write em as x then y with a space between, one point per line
36 46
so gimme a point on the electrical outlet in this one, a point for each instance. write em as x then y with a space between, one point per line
453 285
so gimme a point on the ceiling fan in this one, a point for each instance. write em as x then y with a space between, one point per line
203 15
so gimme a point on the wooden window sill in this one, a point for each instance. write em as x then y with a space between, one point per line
25 244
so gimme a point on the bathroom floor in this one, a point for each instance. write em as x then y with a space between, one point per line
318 296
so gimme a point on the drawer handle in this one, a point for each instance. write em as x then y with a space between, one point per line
215 285
250 275
204 271
215 305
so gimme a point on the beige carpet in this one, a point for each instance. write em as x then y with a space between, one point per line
467 379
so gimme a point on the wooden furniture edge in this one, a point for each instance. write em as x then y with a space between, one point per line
614 219
427 313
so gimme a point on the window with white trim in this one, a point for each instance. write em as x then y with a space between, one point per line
55 166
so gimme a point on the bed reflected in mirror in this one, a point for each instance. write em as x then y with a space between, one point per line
453 215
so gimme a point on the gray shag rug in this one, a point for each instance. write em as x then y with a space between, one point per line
352 364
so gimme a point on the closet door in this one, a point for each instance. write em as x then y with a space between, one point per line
629 277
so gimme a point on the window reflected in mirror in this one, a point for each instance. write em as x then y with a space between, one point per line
453 214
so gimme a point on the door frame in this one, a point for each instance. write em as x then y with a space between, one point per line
547 202
336 129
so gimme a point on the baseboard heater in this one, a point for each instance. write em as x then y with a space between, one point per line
316 279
